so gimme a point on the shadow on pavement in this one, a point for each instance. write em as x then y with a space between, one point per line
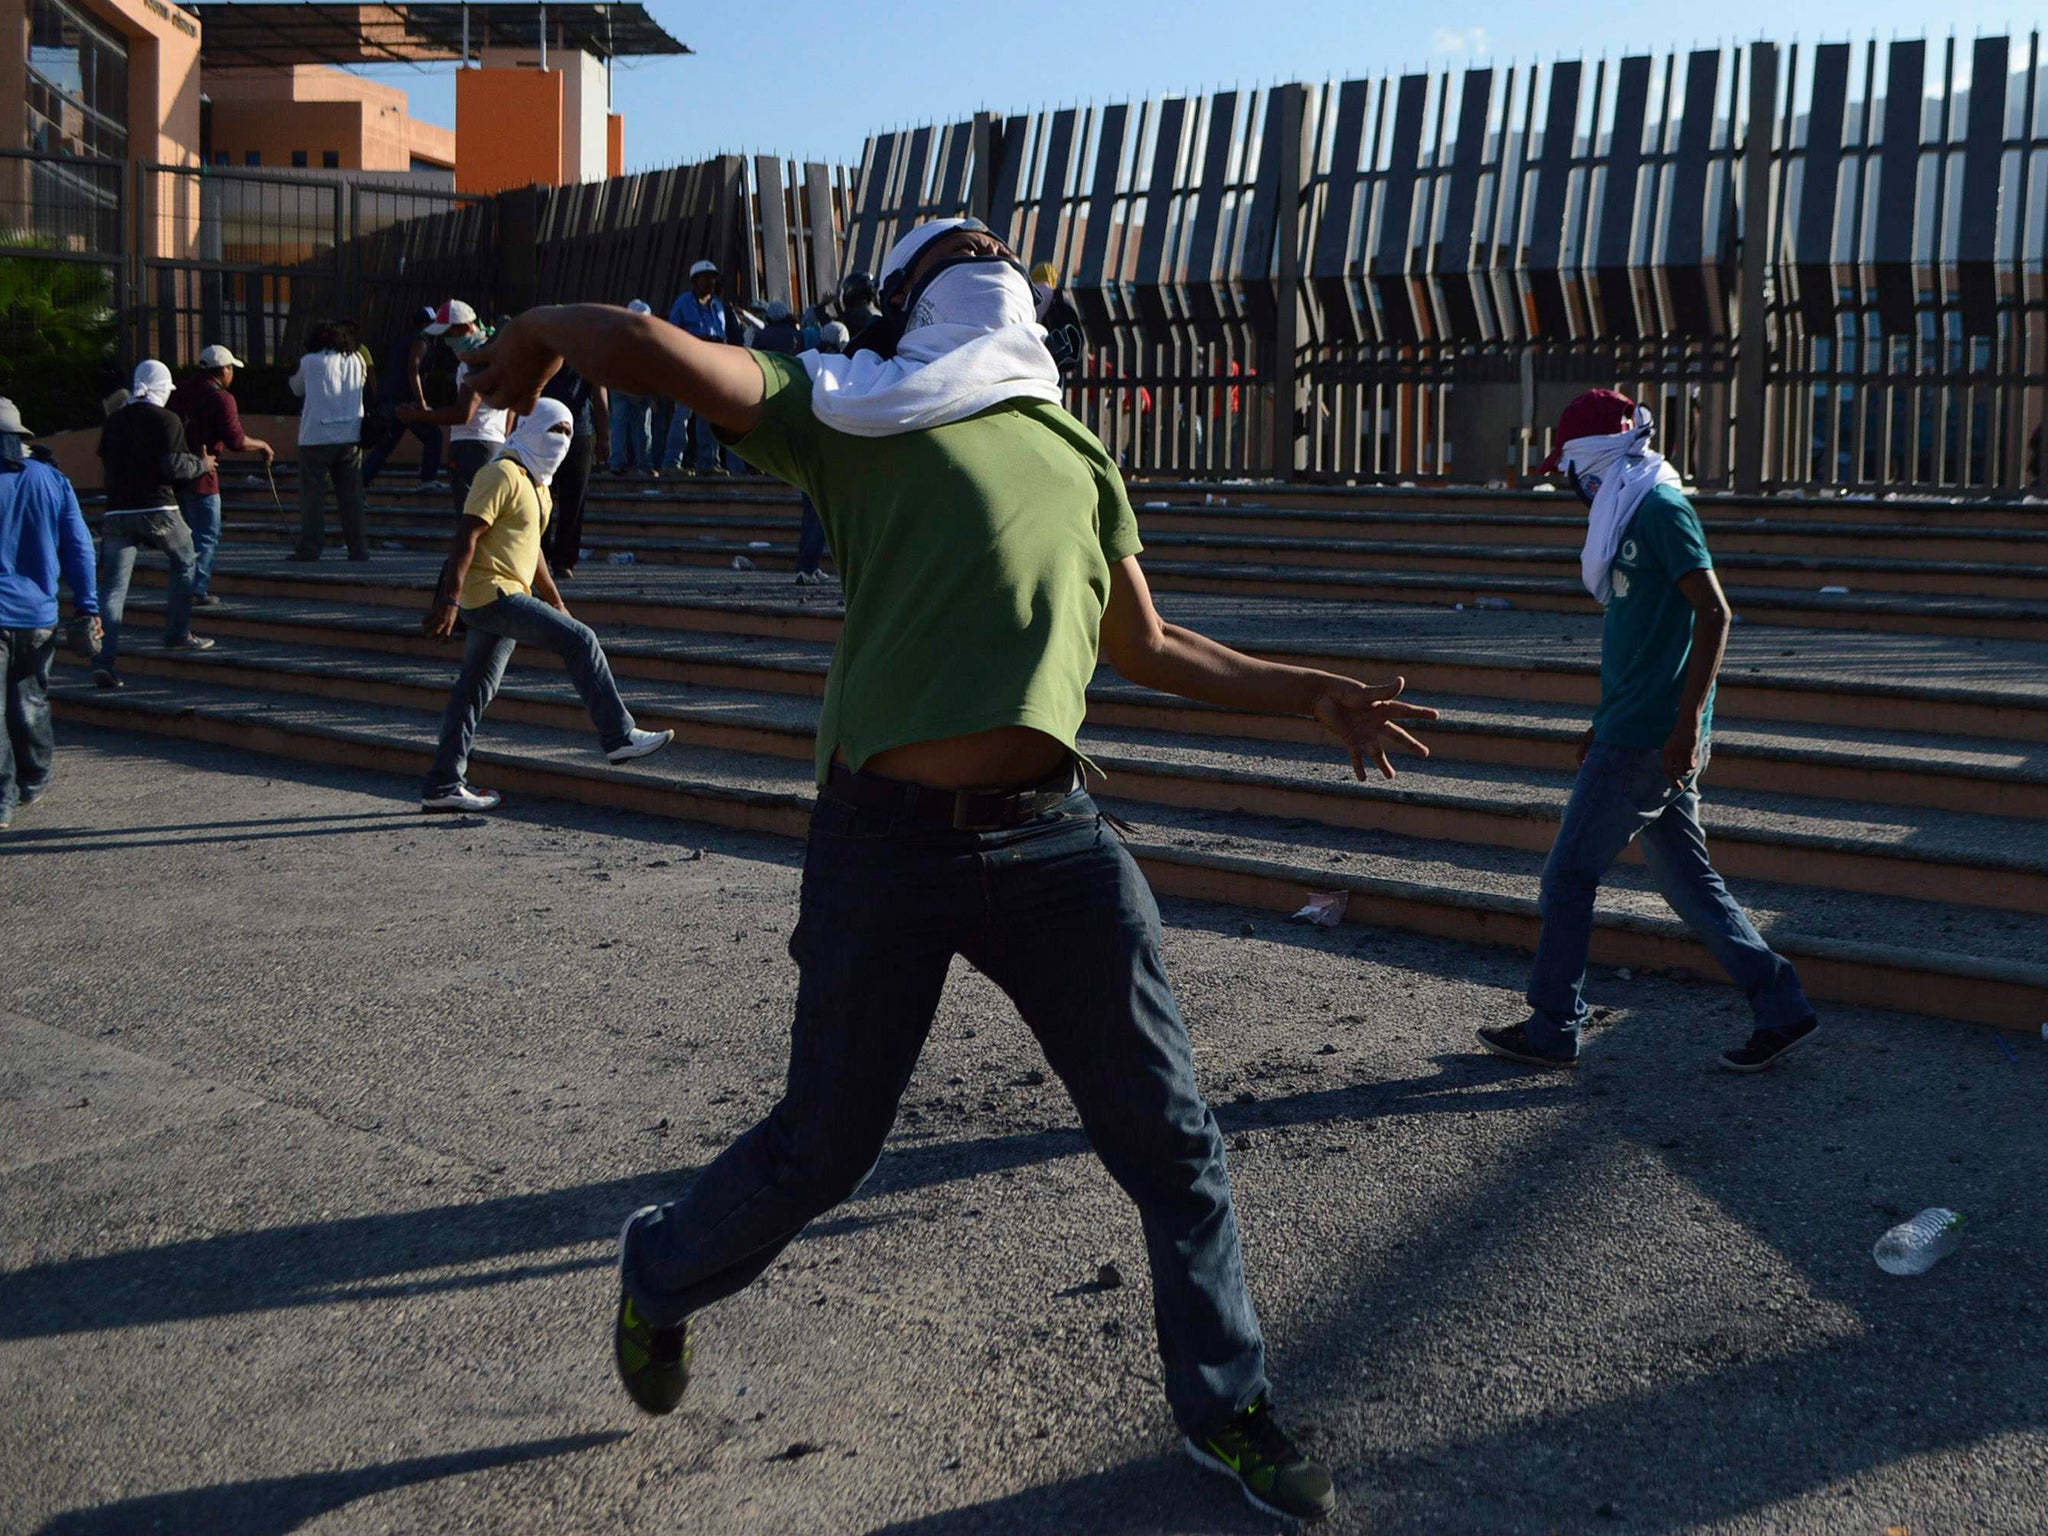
279 1504
1156 1496
1732 1410
324 1262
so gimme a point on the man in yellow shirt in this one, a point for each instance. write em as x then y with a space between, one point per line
499 578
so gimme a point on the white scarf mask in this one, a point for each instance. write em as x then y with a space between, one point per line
152 384
536 444
1626 469
972 341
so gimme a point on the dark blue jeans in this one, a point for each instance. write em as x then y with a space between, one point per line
1621 794
493 632
121 534
1056 913
28 745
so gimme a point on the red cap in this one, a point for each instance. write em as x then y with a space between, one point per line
1596 413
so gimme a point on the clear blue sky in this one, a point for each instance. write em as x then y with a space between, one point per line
813 79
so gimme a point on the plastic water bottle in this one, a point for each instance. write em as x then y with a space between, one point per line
1914 1247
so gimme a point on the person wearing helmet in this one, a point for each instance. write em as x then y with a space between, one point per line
702 312
857 303
989 555
1667 620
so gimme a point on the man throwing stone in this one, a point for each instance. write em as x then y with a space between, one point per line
1640 763
986 546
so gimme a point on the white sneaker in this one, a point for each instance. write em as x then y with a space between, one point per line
640 744
189 643
462 798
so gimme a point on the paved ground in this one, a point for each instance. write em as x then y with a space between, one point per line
316 1120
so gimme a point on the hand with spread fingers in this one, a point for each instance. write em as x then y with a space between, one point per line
510 370
1367 718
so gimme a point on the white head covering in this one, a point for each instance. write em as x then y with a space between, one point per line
536 444
640 307
1627 469
152 382
972 341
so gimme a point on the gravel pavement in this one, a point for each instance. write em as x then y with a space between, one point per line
317 1119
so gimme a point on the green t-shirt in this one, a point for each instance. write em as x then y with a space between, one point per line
1648 633
975 559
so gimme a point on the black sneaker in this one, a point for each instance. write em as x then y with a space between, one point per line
1276 1475
106 677
654 1362
1513 1042
1766 1046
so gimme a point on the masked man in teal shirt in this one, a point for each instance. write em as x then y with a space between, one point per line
1640 763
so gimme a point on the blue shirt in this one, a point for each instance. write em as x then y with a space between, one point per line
41 532
705 318
1647 638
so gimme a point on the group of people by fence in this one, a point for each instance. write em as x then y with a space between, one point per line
990 555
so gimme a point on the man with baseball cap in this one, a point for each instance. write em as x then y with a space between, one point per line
700 311
42 537
213 426
476 432
1667 621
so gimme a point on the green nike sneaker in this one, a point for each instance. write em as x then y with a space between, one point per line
654 1362
1276 1475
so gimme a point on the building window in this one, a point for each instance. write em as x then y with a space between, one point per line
298 159
330 159
220 157
253 157
77 83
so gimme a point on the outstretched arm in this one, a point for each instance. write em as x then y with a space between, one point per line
1148 650
619 350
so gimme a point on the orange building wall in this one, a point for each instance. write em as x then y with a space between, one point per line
614 145
314 108
508 129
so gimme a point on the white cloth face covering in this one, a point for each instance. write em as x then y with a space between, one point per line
972 340
537 444
1620 469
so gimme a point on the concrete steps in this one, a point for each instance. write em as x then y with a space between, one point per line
530 747
1841 846
1929 683
1992 777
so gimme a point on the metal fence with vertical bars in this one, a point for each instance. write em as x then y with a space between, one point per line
1822 267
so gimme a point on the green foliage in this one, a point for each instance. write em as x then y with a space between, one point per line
58 328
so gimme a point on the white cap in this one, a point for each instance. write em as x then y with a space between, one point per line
704 266
453 313
10 420
218 356
639 307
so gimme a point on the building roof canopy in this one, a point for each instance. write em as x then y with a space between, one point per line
251 34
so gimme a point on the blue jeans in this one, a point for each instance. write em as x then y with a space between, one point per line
689 438
28 745
632 432
1622 793
202 516
494 630
121 534
1056 913
810 539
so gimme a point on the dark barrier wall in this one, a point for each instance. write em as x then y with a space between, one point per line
1820 266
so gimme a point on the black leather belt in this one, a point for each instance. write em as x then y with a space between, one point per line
963 810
